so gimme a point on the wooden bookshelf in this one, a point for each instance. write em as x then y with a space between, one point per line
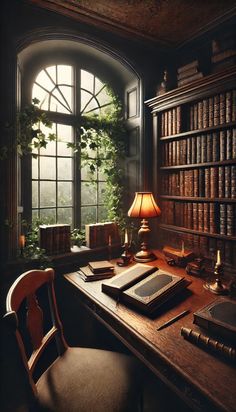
194 138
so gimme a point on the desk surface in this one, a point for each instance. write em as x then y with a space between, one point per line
203 380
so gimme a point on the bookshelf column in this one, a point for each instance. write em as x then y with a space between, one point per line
195 165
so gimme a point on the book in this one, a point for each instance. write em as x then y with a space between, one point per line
144 287
100 266
219 317
88 275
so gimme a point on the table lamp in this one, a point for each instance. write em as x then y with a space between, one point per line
144 207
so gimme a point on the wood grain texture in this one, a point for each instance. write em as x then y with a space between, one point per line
203 380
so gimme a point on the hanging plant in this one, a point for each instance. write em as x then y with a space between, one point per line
30 136
104 136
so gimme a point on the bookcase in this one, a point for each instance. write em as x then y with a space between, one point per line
194 176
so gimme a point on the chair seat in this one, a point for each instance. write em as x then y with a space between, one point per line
90 380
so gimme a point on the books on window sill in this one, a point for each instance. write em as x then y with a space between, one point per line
55 239
145 287
101 234
96 271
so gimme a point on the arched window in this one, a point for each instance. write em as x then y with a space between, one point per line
61 189
73 78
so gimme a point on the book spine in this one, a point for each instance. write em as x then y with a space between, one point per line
221 181
209 151
222 108
216 115
222 146
198 150
223 219
215 147
200 114
178 119
233 182
201 179
234 143
230 220
213 182
207 183
228 107
205 113
204 149
227 181
195 182
201 340
200 217
206 215
228 144
211 111
212 217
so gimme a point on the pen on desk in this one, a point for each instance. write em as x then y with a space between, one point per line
174 319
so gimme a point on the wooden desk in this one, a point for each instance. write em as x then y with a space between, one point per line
203 381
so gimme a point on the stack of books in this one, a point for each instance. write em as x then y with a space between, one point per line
223 53
102 269
188 73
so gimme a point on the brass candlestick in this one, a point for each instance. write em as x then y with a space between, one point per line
217 287
126 256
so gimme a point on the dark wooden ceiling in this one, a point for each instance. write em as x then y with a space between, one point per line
167 22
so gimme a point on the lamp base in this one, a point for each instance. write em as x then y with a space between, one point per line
144 256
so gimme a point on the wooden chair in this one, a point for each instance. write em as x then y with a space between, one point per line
79 379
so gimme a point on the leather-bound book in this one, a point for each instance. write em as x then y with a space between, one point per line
218 317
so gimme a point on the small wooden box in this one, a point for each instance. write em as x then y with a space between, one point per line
177 257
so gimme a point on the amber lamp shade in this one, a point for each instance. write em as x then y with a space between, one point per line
144 207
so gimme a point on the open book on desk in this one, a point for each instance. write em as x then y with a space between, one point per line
145 287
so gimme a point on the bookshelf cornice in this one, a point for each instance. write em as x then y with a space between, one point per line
204 87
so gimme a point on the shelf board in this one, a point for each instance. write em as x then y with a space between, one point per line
199 165
199 199
179 229
198 131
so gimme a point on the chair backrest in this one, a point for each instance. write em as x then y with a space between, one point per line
24 289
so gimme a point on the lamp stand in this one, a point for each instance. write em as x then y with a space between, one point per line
144 255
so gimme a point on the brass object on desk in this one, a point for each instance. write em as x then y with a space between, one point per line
126 255
217 287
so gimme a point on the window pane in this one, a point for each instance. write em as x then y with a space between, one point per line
47 194
35 194
92 106
88 215
85 98
65 136
64 215
88 194
34 168
64 133
64 194
64 168
64 74
57 104
103 97
87 80
44 80
41 95
51 70
102 214
101 191
51 145
35 215
47 168
85 173
48 216
98 85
